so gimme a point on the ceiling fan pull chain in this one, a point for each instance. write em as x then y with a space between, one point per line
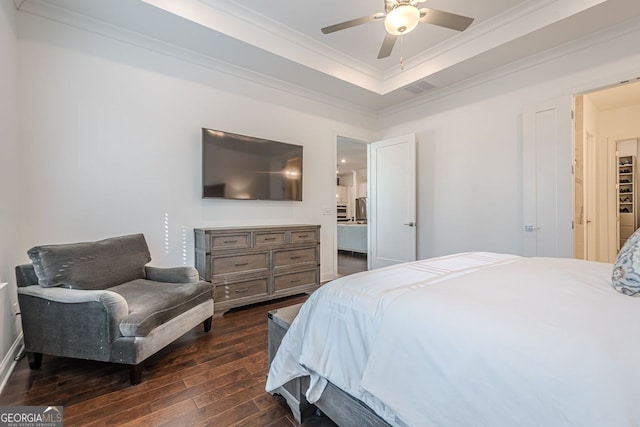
401 52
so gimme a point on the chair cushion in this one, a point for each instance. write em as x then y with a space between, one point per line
154 303
91 265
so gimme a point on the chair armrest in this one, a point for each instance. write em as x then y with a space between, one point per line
111 301
71 322
172 274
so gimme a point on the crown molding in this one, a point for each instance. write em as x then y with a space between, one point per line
283 33
68 17
478 30
259 31
585 43
244 24
82 22
514 23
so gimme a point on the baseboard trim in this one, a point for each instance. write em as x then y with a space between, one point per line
9 362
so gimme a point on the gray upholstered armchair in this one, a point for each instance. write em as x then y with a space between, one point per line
99 301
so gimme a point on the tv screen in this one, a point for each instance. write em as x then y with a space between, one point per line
242 167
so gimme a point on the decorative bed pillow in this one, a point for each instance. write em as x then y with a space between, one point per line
626 269
91 265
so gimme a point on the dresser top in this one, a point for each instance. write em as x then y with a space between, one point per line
259 227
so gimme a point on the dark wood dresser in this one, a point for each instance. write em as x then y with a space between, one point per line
253 264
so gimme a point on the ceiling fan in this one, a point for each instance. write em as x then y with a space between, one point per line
402 16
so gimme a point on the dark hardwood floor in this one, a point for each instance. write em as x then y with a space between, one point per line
215 379
351 262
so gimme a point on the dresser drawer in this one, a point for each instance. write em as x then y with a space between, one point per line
231 241
253 264
286 281
238 263
304 236
295 256
237 290
269 239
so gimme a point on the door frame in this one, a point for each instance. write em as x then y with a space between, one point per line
336 136
602 240
591 217
595 86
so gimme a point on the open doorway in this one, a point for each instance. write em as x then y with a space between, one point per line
607 137
351 205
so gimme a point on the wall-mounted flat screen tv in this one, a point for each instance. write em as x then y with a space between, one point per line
243 167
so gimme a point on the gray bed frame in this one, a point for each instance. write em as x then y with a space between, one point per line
343 409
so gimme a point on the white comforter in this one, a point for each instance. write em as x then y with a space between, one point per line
476 339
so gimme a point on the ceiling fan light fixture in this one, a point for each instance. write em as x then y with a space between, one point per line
402 19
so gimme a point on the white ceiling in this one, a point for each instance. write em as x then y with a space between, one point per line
363 42
281 41
350 155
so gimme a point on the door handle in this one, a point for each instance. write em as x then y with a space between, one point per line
411 224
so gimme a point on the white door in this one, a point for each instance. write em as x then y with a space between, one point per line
547 179
392 201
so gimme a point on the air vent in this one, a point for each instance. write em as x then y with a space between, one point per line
420 86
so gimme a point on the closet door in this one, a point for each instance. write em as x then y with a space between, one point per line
547 187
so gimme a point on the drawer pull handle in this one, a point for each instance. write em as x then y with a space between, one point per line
302 236
269 238
242 291
295 257
240 264
231 241
294 281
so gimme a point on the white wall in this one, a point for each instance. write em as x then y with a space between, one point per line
116 147
9 247
621 123
470 143
111 141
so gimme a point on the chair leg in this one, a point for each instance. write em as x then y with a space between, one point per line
35 360
135 374
207 324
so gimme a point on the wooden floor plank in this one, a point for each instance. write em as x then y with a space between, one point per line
163 416
214 378
209 379
230 416
106 405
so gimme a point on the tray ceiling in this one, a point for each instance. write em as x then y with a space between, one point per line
282 40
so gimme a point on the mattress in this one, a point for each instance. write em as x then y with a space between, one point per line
478 338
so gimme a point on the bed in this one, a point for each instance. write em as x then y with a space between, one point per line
478 338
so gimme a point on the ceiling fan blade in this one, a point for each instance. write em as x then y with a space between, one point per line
445 19
352 23
387 45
